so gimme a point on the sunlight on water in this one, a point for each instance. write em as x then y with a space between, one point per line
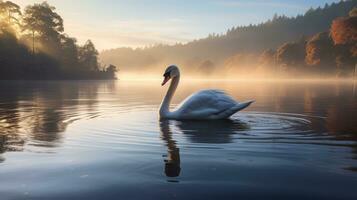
91 139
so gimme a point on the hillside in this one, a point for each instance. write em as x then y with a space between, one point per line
213 51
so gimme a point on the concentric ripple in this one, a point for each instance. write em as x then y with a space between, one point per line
89 139
141 128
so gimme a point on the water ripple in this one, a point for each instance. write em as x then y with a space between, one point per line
144 129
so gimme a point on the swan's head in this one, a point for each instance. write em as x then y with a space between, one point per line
170 72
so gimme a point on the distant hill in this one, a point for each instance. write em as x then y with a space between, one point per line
212 51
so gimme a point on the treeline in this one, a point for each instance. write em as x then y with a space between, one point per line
33 46
333 52
284 45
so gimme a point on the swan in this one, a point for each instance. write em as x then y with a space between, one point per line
202 105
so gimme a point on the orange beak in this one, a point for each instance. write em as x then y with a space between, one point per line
167 78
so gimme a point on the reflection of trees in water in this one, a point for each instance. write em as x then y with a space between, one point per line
10 142
40 111
10 139
335 102
213 132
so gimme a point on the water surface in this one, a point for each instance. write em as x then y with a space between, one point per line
103 140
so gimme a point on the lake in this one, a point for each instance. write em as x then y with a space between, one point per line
103 140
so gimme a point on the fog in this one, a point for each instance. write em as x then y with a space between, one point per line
319 44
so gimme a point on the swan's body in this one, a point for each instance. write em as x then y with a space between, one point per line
202 105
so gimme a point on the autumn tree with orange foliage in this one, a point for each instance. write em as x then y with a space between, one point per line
344 31
344 34
290 56
320 52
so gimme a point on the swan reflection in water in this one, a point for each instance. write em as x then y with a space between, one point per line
213 132
172 162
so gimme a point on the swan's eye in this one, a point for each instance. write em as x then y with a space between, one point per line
167 74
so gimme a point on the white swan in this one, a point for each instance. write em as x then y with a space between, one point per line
202 105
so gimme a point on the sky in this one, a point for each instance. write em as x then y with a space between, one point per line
138 23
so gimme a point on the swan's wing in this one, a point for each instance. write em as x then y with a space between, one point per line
205 103
230 111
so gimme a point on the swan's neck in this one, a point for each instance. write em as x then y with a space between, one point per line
165 105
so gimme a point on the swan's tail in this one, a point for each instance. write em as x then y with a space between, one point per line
229 112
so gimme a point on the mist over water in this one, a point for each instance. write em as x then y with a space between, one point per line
103 139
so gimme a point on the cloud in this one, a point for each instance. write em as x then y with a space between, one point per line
119 30
132 33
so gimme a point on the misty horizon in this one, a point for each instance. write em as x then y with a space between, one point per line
172 99
319 43
136 26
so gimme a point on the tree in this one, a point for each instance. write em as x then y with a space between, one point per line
43 21
353 12
344 34
9 16
320 50
111 71
58 54
88 56
344 30
69 53
291 55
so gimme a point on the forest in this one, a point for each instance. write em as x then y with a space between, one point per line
34 46
319 43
